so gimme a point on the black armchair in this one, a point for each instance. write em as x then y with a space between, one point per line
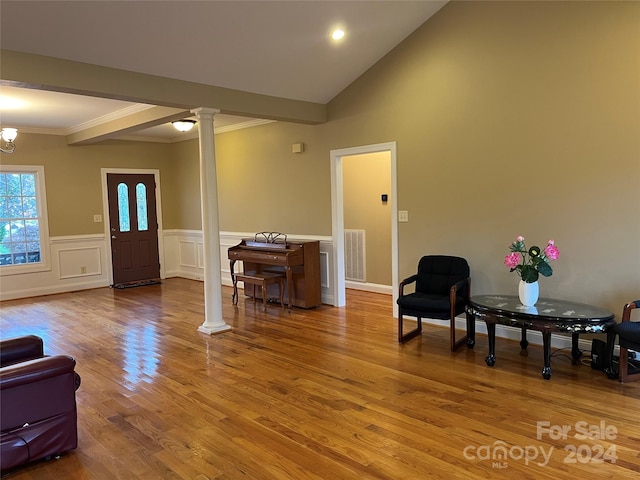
628 333
442 291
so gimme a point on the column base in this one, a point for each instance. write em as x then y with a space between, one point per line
214 330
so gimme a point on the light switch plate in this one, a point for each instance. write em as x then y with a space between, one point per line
403 216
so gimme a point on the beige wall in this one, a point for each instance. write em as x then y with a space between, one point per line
263 186
73 177
365 178
511 118
181 198
514 118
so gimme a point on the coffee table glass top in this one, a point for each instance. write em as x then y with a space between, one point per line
548 308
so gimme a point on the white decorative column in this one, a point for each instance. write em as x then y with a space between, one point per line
213 321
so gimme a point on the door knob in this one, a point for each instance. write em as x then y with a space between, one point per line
113 237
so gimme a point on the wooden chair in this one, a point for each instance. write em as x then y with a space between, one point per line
442 291
628 333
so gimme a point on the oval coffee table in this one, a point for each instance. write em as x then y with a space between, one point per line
548 315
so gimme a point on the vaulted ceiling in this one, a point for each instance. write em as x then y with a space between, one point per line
276 48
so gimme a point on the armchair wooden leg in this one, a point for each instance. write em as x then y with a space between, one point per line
452 336
624 365
625 376
610 369
622 372
409 335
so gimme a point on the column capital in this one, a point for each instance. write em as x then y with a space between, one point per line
205 111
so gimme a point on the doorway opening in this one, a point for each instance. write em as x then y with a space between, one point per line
337 215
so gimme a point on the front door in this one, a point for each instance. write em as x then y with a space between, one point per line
134 228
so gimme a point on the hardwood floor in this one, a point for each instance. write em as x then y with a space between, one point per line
323 394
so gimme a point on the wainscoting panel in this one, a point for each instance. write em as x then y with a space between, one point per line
188 251
77 263
188 246
80 262
325 266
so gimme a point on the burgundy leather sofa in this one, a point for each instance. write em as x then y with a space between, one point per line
38 416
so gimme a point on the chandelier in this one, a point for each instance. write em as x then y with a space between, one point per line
8 136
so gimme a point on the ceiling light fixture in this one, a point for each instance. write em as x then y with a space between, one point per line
8 136
11 103
337 34
183 125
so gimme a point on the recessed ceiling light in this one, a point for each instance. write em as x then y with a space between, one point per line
11 103
337 34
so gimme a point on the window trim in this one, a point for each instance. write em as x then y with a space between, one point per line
44 264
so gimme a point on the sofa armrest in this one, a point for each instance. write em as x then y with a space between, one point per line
20 349
36 390
35 370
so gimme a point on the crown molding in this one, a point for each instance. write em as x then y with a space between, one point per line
143 138
242 125
118 114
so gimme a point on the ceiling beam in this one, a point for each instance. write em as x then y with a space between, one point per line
48 73
137 121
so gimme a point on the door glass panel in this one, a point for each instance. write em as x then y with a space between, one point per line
141 201
123 207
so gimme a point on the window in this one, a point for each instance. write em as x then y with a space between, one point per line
23 224
124 217
123 207
141 200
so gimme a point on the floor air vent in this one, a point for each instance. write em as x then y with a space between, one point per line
354 255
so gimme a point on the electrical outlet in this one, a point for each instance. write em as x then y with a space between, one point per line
97 218
403 216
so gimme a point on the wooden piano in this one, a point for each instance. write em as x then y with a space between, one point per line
271 252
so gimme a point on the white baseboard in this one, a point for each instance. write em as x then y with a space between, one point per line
369 287
52 290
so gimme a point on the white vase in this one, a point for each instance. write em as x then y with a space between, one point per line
528 293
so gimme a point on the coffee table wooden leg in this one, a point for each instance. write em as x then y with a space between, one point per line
546 340
576 353
524 343
471 330
491 333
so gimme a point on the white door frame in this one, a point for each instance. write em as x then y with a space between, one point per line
337 218
105 214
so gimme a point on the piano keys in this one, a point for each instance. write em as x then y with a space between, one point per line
298 260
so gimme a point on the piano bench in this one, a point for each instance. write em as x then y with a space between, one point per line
261 279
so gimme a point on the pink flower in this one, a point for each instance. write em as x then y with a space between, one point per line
551 242
519 238
512 260
551 251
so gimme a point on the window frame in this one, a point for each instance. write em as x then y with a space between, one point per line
41 204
